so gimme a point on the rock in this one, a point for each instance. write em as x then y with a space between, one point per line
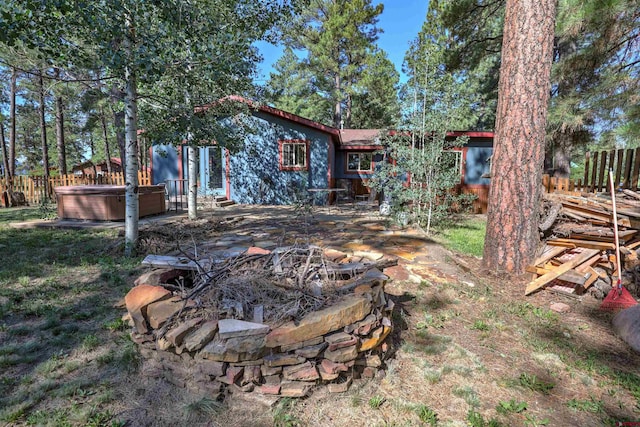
235 349
232 375
327 376
212 367
231 328
312 351
372 255
340 387
158 276
272 379
201 336
269 389
177 334
252 375
297 345
362 289
335 346
560 307
294 388
369 372
283 360
626 324
364 327
256 362
338 337
159 312
332 367
349 310
270 370
303 372
343 354
334 255
373 361
137 300
377 336
254 250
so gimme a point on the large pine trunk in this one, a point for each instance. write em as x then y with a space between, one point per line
5 156
523 94
105 135
43 135
62 155
12 125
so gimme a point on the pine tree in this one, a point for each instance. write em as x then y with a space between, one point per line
338 39
514 198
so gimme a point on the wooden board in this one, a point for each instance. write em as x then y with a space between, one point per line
163 261
546 278
548 253
601 246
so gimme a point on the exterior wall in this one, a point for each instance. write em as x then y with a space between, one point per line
254 170
164 163
476 162
476 156
358 179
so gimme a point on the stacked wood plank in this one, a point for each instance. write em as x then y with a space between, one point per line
580 247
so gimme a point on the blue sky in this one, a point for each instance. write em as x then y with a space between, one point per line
401 21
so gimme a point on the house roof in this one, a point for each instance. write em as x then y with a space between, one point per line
345 138
335 133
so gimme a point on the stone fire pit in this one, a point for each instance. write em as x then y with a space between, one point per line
276 322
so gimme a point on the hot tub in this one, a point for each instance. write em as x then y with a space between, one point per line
106 202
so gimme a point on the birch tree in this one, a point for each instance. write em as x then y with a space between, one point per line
148 47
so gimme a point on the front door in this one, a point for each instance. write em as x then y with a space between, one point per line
214 170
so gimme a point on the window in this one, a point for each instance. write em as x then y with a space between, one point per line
294 155
359 162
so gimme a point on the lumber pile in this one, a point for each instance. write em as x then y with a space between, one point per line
578 255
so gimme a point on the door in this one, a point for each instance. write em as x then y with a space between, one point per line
214 170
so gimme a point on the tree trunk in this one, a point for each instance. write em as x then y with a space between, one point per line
43 137
5 155
12 123
62 155
514 198
107 149
337 114
132 207
193 182
562 155
118 120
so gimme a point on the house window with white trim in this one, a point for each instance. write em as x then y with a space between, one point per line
294 155
359 162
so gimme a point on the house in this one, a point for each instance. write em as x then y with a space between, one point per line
285 155
89 168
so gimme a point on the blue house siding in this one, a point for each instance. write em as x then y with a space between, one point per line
255 174
477 162
164 161
340 169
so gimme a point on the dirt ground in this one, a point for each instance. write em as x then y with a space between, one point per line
468 348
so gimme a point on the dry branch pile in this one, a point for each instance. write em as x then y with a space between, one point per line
274 287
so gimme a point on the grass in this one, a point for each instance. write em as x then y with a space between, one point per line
465 236
55 304
68 360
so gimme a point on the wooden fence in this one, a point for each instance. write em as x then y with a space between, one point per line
624 163
34 187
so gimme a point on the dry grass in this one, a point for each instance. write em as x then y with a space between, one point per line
460 352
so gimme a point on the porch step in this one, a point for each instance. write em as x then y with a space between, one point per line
223 202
